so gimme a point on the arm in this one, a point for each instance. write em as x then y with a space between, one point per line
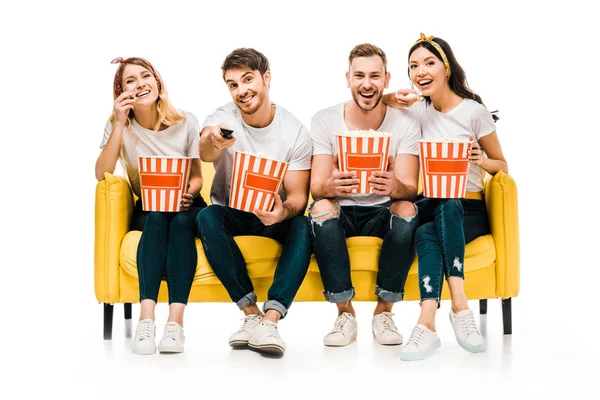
107 160
493 159
327 181
400 182
212 143
402 98
296 188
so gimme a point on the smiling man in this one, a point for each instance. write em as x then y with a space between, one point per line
259 126
386 213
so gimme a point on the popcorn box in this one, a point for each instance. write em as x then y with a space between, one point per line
445 167
254 181
363 152
163 181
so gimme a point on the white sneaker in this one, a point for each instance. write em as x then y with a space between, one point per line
265 337
421 344
172 340
384 329
241 337
466 331
144 341
344 331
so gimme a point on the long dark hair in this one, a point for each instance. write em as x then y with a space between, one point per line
458 79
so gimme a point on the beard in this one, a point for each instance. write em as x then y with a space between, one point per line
260 99
358 98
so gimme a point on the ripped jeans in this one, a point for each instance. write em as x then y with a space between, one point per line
446 225
331 251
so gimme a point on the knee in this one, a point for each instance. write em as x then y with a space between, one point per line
183 220
156 219
425 232
210 217
403 209
324 209
299 224
451 206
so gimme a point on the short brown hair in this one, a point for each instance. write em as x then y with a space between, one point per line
245 58
367 50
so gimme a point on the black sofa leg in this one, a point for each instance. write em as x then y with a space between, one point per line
127 310
507 316
483 306
108 320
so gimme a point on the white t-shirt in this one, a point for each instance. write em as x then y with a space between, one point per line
179 140
469 119
404 128
284 139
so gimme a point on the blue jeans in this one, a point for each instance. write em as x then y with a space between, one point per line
447 225
217 226
397 251
167 248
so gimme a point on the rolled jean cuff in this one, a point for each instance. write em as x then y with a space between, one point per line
386 295
247 300
340 297
275 305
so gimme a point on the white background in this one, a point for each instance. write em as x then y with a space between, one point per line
534 61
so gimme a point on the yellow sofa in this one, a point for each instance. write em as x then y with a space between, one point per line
491 261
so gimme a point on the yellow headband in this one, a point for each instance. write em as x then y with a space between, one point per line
438 48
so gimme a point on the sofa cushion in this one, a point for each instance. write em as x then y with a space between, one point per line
261 255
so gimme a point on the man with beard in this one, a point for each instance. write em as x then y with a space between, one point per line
259 126
387 212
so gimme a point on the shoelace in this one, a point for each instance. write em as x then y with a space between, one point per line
340 324
388 322
416 337
468 325
271 329
146 330
250 322
171 331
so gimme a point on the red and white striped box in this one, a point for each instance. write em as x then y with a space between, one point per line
254 181
163 181
444 167
363 152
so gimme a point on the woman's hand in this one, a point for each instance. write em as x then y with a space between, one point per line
186 202
122 105
476 154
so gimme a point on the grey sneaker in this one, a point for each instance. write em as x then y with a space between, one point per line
144 341
265 337
241 337
384 329
172 340
465 329
344 331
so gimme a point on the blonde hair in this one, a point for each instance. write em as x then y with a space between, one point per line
167 113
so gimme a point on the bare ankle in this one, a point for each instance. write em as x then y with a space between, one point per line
346 307
383 306
252 309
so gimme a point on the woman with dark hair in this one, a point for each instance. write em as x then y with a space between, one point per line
448 110
145 123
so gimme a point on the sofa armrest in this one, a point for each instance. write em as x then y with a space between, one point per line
114 208
503 214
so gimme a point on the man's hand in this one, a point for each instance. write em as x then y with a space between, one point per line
384 183
217 140
341 183
273 217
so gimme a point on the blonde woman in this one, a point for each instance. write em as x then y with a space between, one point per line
145 123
